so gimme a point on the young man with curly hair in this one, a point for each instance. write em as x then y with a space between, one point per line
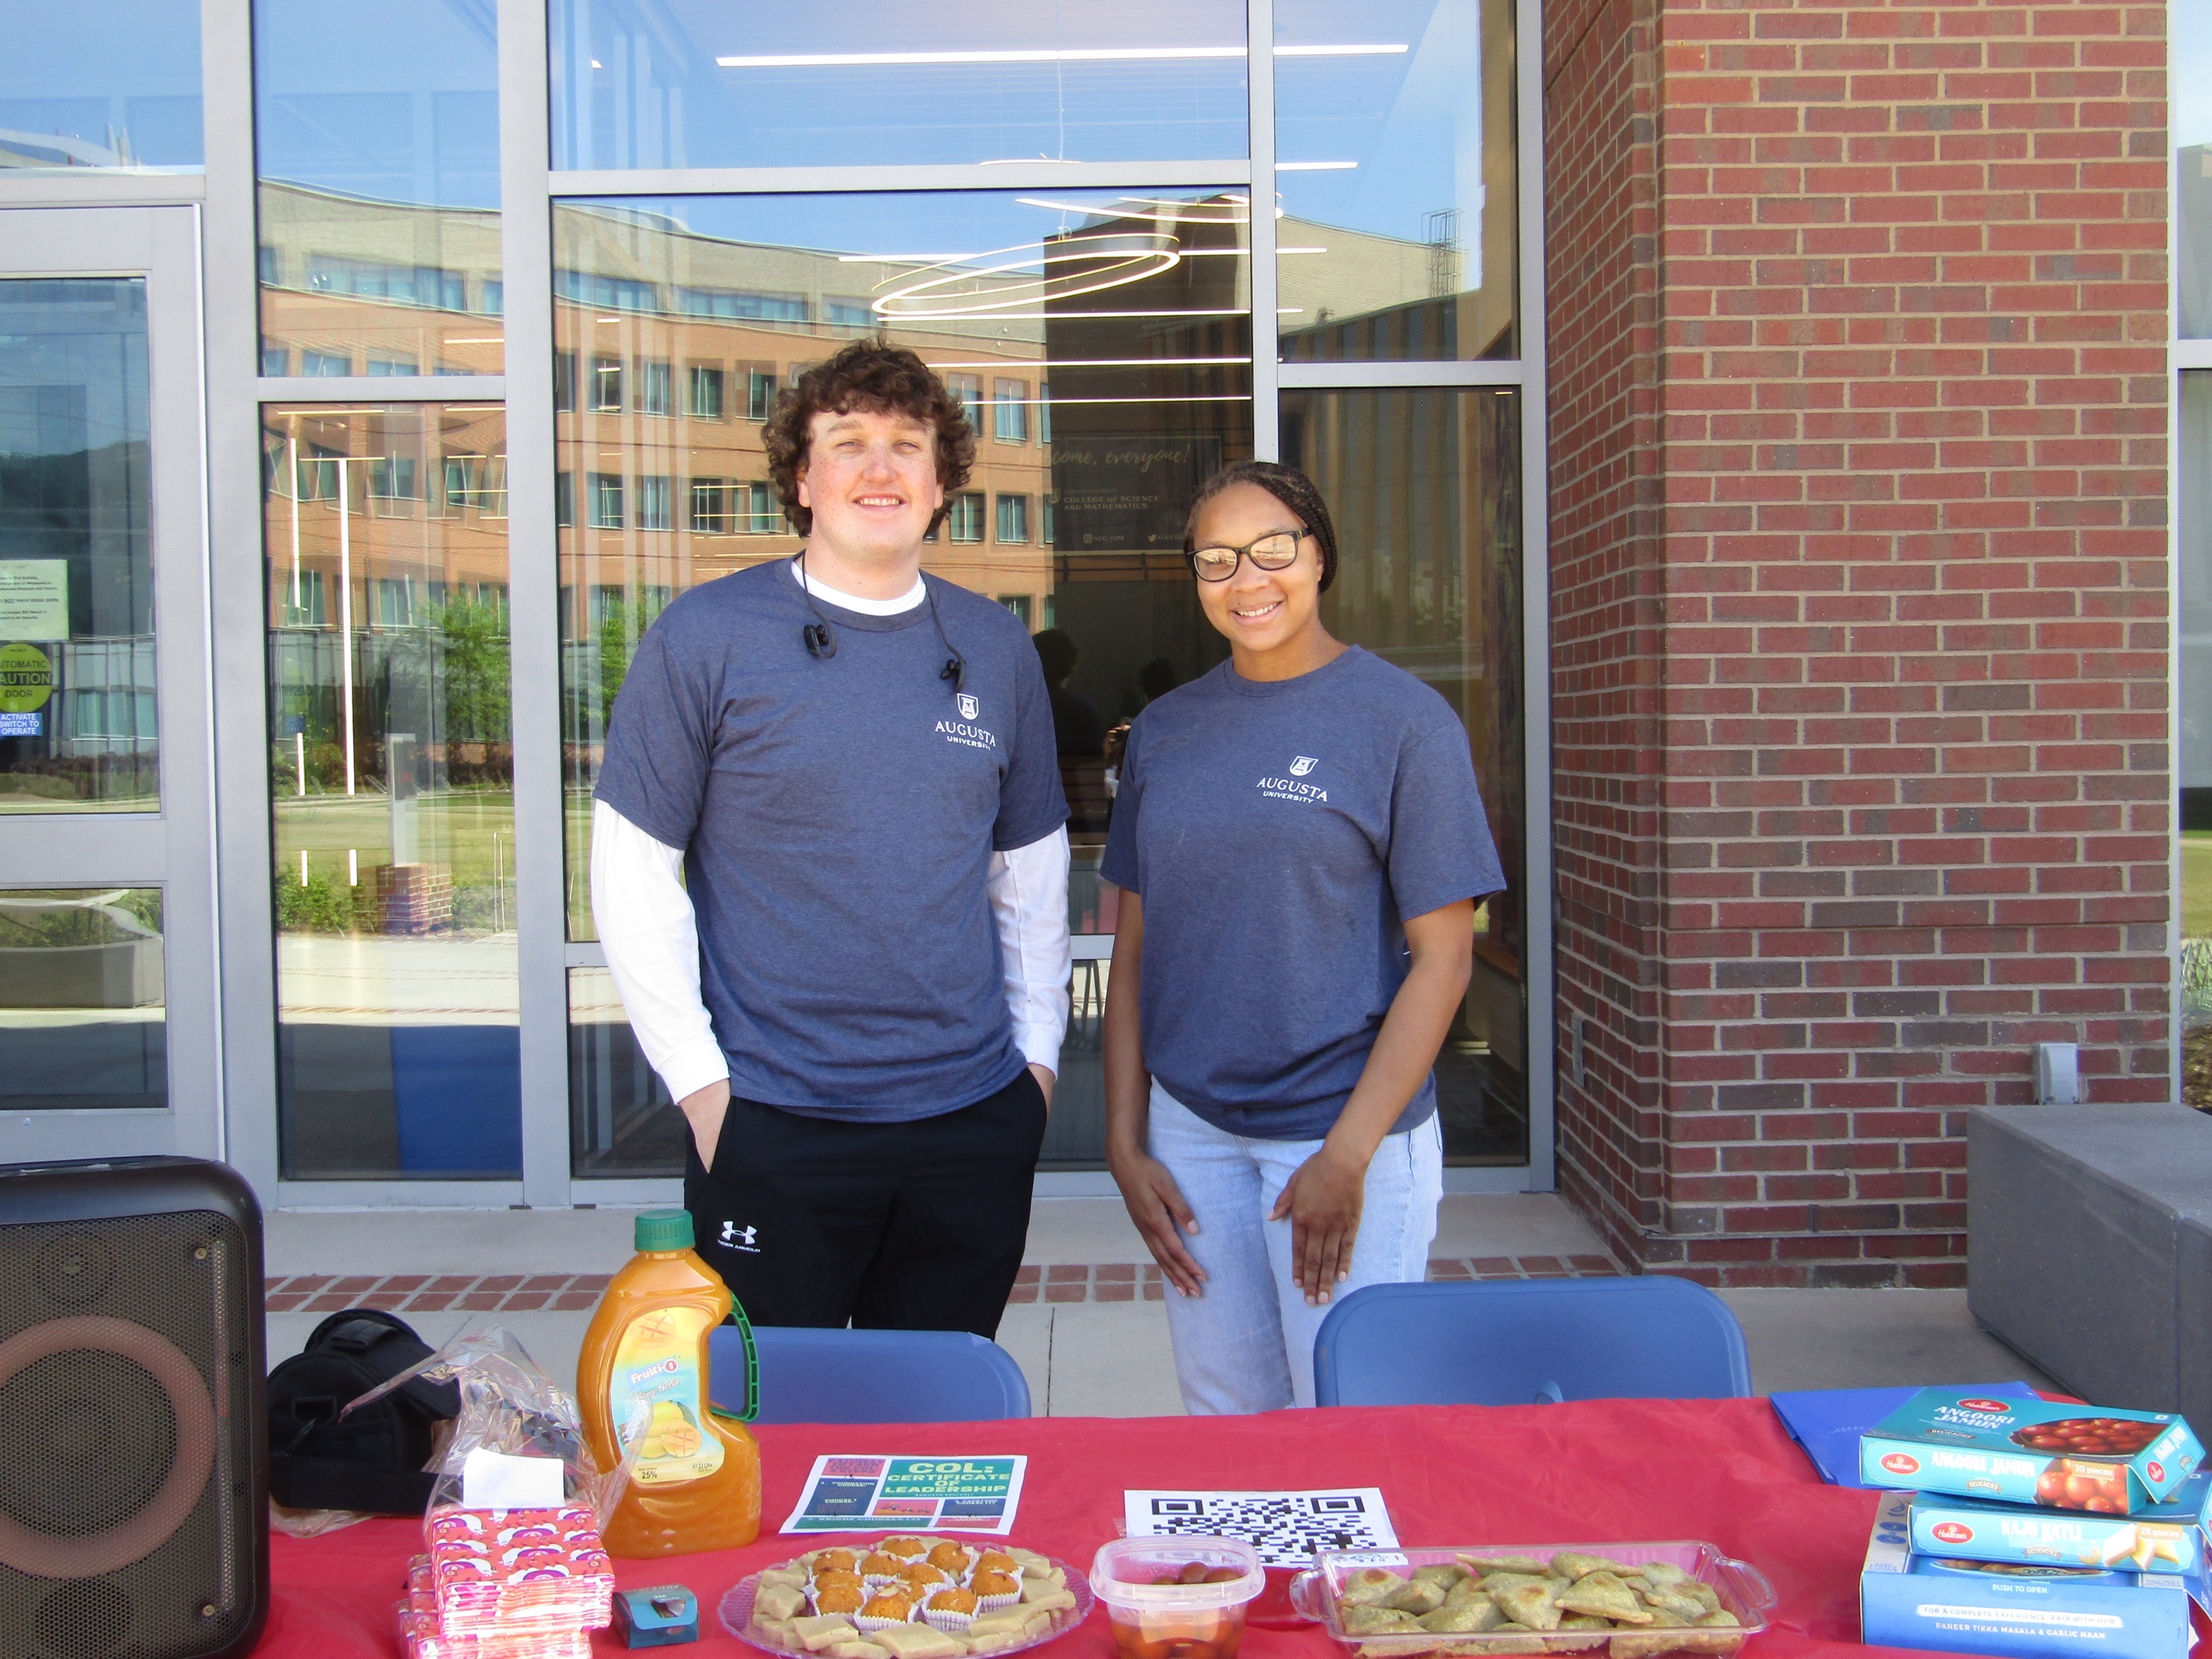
829 872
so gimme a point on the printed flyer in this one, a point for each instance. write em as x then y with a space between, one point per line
910 1494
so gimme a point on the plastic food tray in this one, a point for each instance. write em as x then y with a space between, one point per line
736 1611
1742 1589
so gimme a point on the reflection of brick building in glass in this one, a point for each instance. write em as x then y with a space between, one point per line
671 348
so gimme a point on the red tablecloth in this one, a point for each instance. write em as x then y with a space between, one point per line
1719 1470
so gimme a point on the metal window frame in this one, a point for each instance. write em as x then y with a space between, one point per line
169 845
2186 357
528 192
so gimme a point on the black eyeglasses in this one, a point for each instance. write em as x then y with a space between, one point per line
1274 551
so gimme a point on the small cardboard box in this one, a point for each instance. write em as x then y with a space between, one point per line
2010 1609
2167 1537
2030 1451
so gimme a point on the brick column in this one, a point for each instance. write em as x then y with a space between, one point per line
1860 602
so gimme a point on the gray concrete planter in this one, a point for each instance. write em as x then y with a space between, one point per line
2089 1238
125 974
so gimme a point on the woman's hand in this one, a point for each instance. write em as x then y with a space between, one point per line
1156 1205
1323 1198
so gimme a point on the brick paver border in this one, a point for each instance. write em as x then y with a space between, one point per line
1105 1281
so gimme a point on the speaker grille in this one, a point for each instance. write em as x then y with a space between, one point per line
126 1526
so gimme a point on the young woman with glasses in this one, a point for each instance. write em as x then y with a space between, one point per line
1300 843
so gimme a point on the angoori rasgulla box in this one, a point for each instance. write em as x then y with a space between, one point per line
2164 1537
2030 1451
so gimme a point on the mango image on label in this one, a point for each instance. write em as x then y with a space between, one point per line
671 1433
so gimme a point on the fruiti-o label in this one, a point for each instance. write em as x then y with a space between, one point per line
656 1400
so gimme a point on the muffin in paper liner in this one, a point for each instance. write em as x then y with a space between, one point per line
955 1560
838 1599
995 1600
884 1619
952 1620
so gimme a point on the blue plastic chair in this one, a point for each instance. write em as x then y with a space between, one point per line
1518 1342
810 1375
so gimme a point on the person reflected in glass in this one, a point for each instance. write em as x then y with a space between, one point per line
1074 722
1301 842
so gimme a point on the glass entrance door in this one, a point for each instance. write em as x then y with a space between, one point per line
107 999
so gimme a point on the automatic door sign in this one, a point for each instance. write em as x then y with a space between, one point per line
26 680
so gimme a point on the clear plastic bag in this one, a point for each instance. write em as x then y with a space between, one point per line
510 1406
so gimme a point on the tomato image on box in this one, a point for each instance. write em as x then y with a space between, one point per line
2030 1451
2164 1537
2015 1609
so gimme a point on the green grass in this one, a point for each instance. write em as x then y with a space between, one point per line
454 830
2196 884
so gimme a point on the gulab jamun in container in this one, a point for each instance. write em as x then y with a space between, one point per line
1177 1598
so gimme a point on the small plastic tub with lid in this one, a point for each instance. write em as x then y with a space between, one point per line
1177 1598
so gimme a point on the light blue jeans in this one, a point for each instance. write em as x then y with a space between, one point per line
1245 1343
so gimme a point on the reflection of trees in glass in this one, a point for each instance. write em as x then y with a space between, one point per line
479 708
622 623
30 918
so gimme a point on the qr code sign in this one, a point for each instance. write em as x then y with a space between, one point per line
1287 1528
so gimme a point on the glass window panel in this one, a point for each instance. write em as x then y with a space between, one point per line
1009 411
696 84
2195 547
82 1015
1139 306
622 1123
78 719
392 767
705 402
114 85
2192 82
1425 488
377 136
1394 156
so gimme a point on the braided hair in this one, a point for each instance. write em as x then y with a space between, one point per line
1287 485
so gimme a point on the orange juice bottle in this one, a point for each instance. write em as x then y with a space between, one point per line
695 1479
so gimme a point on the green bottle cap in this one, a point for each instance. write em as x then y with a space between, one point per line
665 1229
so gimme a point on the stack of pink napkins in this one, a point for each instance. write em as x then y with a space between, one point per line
506 1584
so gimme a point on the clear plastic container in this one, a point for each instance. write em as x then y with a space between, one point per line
1155 1620
1743 1589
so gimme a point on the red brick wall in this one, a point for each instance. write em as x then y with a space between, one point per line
1860 597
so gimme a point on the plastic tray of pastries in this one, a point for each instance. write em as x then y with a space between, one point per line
1049 1598
1635 1601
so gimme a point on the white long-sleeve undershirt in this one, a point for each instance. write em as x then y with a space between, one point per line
650 933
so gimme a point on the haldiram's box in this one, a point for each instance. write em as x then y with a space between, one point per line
2030 1451
2016 1610
2164 1537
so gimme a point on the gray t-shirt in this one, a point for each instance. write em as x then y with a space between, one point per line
838 816
1277 832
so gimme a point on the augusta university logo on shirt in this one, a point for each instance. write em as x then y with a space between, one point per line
963 730
1288 788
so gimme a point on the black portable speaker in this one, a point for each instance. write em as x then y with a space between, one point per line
134 1509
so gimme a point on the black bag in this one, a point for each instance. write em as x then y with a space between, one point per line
373 1461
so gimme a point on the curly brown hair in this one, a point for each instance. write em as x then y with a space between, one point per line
880 377
1287 485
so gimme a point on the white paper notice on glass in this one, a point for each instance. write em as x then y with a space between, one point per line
34 600
1287 1528
496 1480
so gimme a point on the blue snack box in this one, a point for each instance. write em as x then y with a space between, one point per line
665 1616
2014 1610
2167 1537
2030 1451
